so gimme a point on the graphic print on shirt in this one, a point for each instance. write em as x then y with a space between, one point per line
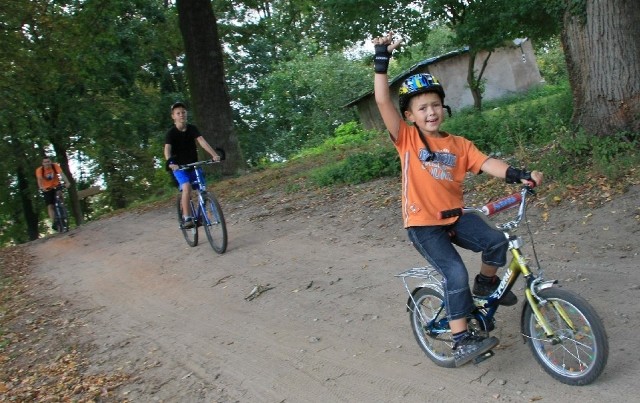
440 165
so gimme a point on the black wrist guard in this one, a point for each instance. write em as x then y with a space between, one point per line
514 175
381 59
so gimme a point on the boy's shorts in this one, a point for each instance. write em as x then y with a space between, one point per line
186 176
49 196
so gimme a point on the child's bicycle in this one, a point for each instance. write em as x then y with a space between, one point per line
60 217
565 334
206 212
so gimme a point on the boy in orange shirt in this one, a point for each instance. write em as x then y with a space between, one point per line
434 165
48 177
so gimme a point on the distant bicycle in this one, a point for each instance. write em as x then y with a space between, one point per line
61 217
206 212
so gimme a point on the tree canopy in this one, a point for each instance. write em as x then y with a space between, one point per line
90 82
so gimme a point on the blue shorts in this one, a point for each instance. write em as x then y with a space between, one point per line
187 176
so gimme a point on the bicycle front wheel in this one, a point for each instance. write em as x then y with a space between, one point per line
578 353
190 234
61 219
214 224
431 327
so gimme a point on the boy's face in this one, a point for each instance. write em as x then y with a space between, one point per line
46 162
179 115
426 111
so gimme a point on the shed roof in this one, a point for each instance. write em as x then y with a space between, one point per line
412 69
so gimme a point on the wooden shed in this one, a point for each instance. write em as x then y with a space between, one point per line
509 70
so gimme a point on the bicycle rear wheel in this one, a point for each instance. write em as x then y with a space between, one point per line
579 353
190 234
431 327
214 224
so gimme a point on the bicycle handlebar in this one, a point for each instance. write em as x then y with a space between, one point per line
198 163
59 187
505 203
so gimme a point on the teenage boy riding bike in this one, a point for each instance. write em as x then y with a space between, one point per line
180 149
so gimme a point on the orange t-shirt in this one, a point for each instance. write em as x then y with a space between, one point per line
49 176
434 186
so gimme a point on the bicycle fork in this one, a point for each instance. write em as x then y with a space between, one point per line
534 285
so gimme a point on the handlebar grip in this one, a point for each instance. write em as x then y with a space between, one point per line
502 204
450 213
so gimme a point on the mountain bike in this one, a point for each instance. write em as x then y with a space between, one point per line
565 334
60 217
205 210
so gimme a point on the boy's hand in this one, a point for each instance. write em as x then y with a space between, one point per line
537 176
215 157
384 47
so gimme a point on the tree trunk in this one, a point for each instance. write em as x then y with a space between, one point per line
471 81
30 215
475 83
602 51
205 73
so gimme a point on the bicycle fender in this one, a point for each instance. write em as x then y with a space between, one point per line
411 298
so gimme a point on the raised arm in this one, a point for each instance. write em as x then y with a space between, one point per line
390 115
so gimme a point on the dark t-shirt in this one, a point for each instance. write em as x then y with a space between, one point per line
183 144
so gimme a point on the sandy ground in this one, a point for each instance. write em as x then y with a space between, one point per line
332 326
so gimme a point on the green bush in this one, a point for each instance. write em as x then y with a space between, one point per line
575 153
358 168
522 120
345 136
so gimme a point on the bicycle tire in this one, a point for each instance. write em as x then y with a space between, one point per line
61 219
214 224
431 327
190 234
582 354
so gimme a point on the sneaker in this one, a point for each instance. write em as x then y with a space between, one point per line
485 289
472 347
188 223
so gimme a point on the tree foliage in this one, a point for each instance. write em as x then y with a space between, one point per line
485 25
90 81
78 79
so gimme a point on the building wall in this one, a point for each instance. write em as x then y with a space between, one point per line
506 73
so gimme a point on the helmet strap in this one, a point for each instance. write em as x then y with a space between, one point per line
426 146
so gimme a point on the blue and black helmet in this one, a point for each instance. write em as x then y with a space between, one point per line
417 84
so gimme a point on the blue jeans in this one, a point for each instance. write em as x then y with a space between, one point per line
436 244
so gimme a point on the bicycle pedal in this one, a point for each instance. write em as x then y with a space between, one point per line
483 357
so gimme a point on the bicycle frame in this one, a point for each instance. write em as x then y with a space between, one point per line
488 306
206 212
563 331
60 213
199 210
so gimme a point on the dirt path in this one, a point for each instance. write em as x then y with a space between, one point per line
333 325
